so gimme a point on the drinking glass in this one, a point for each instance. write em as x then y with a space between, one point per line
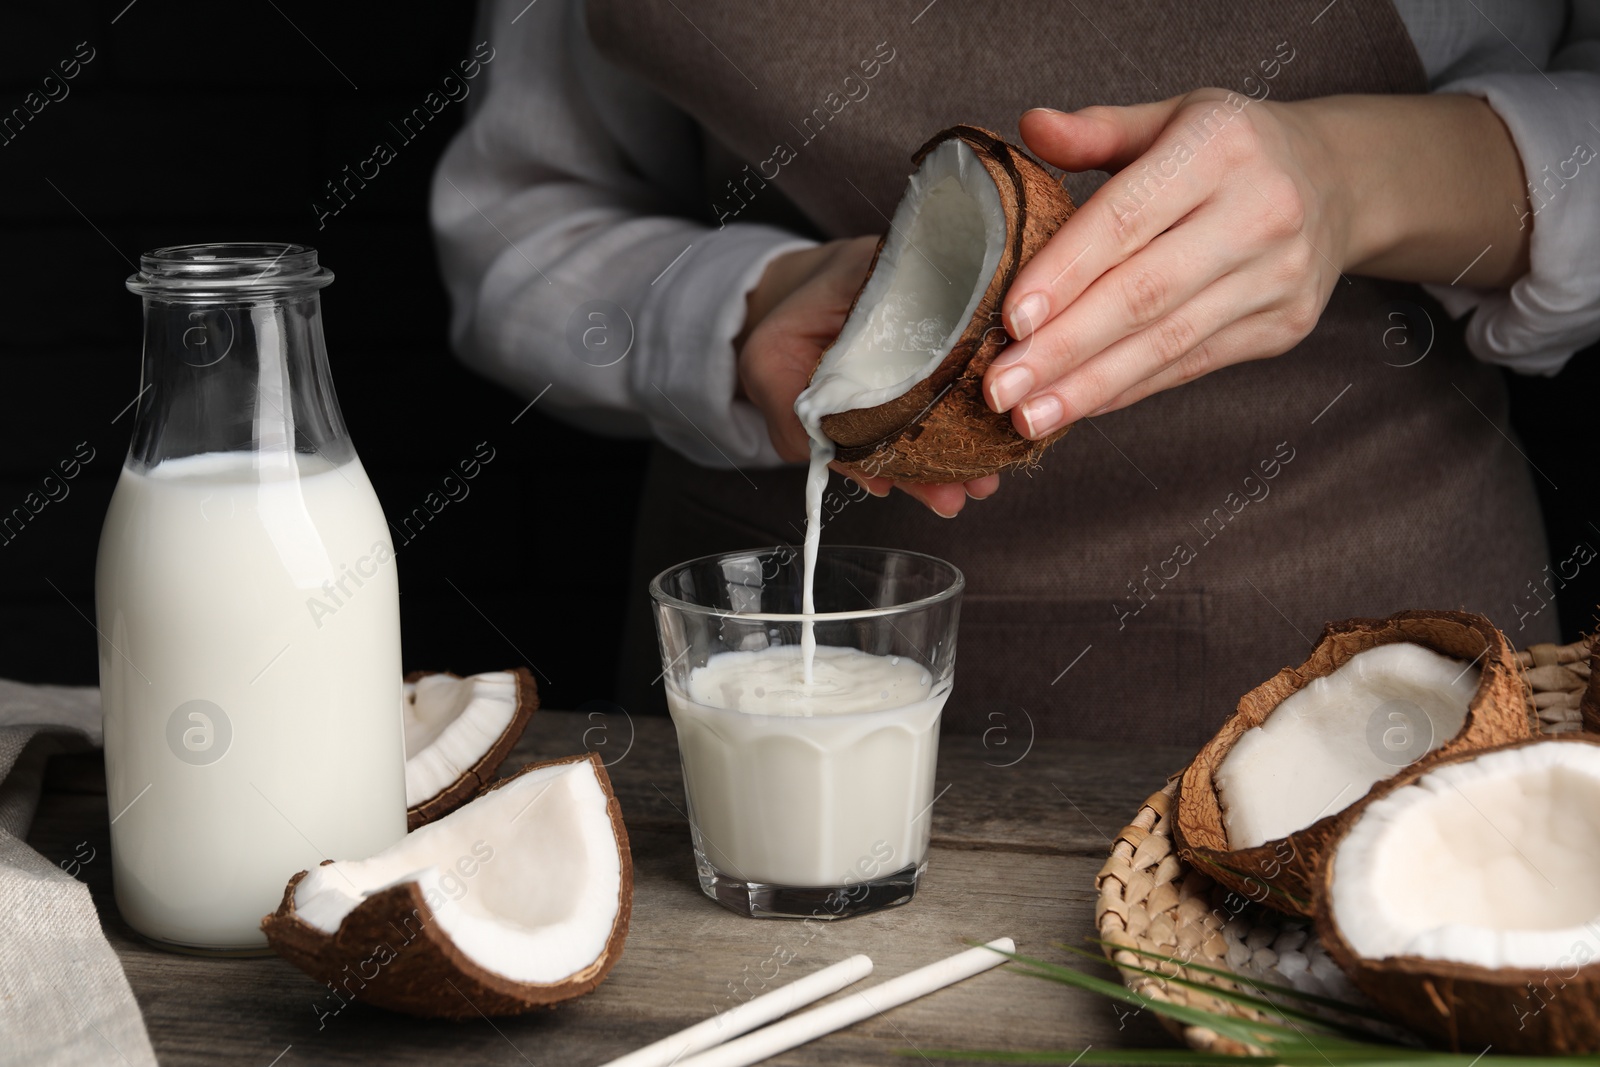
809 799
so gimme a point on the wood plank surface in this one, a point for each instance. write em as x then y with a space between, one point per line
1016 844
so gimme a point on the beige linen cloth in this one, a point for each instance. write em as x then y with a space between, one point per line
64 1000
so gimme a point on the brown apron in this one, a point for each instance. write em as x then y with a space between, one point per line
1169 556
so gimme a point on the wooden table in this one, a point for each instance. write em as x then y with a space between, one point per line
1015 851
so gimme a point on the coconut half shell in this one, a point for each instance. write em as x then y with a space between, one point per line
517 900
1464 1007
458 731
1282 873
941 430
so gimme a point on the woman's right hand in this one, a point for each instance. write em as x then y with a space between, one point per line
792 315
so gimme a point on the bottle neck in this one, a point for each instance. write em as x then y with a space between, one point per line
246 375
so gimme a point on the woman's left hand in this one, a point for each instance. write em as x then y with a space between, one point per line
1221 234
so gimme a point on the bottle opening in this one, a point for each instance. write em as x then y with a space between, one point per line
229 269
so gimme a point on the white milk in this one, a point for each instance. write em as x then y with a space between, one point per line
822 451
826 783
274 599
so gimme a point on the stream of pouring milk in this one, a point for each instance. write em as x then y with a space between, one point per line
822 451
874 365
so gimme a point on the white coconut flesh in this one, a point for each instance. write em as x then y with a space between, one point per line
1324 746
450 723
942 250
525 880
1494 862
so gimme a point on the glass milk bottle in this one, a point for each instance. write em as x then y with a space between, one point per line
248 608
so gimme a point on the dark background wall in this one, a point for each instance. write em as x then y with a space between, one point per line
199 122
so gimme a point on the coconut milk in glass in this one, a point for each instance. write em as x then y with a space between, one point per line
248 608
809 738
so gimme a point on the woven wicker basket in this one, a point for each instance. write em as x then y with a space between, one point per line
1151 900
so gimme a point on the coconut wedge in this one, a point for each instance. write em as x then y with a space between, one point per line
1340 735
1465 899
458 732
517 900
925 325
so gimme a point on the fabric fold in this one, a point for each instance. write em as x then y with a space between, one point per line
64 999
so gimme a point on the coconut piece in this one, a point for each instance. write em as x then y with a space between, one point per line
1301 762
1465 898
899 392
458 732
1279 872
518 899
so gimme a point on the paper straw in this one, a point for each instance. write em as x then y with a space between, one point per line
810 1025
749 1015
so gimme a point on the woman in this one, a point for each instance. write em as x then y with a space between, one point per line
656 176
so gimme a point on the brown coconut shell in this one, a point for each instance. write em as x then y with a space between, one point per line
942 430
1589 703
1463 1007
422 972
1282 873
472 781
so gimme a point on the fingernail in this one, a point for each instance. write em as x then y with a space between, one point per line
944 515
863 483
1013 352
1028 315
1047 110
1042 415
1010 386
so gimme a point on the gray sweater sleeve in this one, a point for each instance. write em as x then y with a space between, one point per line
564 221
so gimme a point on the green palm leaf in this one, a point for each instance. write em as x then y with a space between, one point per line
1287 1042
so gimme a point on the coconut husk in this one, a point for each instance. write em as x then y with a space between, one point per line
474 778
1281 874
1460 1006
1589 704
389 951
941 430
